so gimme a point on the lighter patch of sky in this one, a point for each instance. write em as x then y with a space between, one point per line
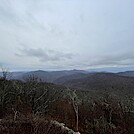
66 34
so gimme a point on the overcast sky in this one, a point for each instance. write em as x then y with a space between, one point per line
66 34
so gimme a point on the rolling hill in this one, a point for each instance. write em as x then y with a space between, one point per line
103 81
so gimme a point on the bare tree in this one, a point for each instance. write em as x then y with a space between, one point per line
75 101
32 78
38 94
5 72
4 88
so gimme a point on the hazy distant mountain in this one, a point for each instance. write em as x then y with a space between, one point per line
47 76
102 81
63 79
111 69
127 73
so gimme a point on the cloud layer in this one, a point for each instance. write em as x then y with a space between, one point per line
66 34
45 55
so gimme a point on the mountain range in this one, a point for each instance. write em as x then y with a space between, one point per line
80 78
90 84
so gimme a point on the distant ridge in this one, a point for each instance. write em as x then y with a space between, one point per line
127 73
103 81
47 76
111 69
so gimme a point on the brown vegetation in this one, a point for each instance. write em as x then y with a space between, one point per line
31 108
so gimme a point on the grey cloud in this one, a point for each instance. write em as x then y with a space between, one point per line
10 16
45 55
122 59
95 36
5 15
26 20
